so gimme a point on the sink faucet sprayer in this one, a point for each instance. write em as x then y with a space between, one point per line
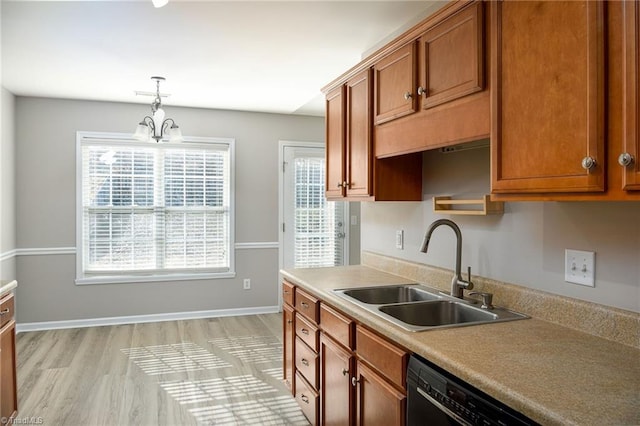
457 283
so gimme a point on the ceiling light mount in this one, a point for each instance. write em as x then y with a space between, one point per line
155 126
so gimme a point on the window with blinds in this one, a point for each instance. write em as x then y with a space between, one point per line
318 227
154 209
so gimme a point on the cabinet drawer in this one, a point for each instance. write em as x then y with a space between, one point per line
307 363
287 292
307 399
307 305
6 309
387 358
307 332
336 325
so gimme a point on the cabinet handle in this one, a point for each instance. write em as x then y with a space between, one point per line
4 311
421 91
304 331
355 381
588 162
304 398
345 372
625 159
407 96
304 362
304 305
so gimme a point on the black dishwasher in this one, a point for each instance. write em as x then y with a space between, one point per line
435 397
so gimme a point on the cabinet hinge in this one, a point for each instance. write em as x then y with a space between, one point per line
284 163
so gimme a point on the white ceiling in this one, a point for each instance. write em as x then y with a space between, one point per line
252 56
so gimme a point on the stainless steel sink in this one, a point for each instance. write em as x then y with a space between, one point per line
415 307
434 314
390 294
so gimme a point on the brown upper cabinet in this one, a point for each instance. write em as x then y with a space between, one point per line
452 57
564 100
430 86
395 80
352 172
628 157
548 99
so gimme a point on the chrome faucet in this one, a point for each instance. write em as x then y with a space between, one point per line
457 283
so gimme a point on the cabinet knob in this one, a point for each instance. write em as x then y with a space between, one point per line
339 184
407 96
305 305
588 162
4 311
354 381
346 184
345 372
304 362
421 91
304 398
625 159
289 322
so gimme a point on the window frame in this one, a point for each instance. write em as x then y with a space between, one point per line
83 278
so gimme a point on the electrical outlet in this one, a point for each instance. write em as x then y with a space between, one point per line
580 267
246 284
400 239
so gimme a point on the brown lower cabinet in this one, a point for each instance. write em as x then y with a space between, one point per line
8 384
378 402
347 376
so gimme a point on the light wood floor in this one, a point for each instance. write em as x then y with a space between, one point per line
197 372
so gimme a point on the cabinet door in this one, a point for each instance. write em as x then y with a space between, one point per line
8 383
288 346
452 57
359 146
631 140
378 403
547 96
336 391
395 79
335 134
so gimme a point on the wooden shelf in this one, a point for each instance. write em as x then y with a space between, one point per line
473 207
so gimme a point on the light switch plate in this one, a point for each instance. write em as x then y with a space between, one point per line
580 267
400 239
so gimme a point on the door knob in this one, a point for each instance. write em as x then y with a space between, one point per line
625 159
588 162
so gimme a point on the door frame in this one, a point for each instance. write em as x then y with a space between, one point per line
282 144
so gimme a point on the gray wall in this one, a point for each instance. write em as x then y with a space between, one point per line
525 246
45 185
7 187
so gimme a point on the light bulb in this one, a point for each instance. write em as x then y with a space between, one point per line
142 132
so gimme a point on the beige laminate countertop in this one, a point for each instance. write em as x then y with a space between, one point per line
7 286
554 375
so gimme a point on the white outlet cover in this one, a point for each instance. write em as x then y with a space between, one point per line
580 267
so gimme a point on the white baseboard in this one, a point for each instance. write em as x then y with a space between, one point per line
137 319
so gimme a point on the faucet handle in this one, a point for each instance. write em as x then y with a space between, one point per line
486 298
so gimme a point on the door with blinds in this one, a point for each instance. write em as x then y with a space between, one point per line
314 231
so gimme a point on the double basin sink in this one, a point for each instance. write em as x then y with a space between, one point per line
415 307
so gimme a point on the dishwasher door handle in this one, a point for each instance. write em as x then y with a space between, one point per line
442 407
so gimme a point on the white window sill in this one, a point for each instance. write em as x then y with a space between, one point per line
115 279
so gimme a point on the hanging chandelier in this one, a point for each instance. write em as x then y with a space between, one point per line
156 126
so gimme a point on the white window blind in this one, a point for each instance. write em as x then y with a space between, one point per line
318 239
153 209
